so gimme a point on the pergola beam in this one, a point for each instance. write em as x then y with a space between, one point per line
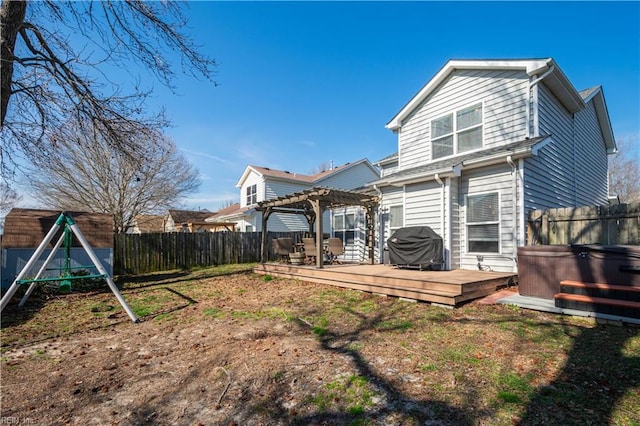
312 203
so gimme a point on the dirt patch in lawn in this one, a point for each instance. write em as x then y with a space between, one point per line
241 349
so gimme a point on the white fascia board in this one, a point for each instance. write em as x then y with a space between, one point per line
564 90
497 158
532 67
428 176
537 147
245 175
604 120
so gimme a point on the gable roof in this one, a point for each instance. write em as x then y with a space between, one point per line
300 178
229 212
389 159
185 216
547 69
452 166
147 223
596 95
26 228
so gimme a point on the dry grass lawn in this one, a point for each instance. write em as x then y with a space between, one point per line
223 346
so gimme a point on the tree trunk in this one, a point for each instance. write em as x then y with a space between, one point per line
12 13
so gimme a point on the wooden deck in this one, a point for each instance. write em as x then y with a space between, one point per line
443 287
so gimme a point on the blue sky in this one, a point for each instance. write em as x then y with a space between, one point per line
306 83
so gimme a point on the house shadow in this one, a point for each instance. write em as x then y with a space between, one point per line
599 363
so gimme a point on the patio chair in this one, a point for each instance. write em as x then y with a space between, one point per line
310 249
335 248
282 247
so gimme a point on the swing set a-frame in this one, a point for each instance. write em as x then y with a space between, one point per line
70 229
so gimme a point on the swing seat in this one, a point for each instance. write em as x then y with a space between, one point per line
64 286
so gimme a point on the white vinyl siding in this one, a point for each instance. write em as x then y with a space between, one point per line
591 159
389 168
278 188
392 196
571 171
352 177
494 179
454 239
423 206
503 94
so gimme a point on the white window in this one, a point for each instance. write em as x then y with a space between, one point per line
483 223
457 132
344 227
252 194
396 217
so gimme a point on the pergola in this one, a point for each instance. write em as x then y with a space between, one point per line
312 203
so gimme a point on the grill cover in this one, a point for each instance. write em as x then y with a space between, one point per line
417 246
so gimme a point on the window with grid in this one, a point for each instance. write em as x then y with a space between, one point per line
457 132
344 227
396 219
483 223
252 194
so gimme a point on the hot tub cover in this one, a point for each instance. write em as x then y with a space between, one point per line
416 246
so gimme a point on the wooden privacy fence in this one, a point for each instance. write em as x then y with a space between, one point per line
144 253
607 225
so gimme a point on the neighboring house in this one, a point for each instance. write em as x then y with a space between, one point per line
482 144
146 224
188 221
231 217
261 183
25 229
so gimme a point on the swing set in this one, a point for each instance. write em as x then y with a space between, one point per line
70 229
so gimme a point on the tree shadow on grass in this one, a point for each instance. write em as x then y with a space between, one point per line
392 406
14 315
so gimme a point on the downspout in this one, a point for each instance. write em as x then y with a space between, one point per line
529 110
514 192
380 225
442 209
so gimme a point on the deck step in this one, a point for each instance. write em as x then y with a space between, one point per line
609 291
442 287
605 305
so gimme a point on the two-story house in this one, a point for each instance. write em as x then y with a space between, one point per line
482 144
262 183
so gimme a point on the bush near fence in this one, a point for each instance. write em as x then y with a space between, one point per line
617 224
145 253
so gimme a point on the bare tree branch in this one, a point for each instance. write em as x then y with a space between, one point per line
53 53
624 173
86 173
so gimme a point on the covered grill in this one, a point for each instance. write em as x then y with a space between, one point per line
416 247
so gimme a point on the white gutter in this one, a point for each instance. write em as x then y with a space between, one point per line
521 230
542 77
534 99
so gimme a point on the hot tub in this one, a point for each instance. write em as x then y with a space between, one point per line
541 268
